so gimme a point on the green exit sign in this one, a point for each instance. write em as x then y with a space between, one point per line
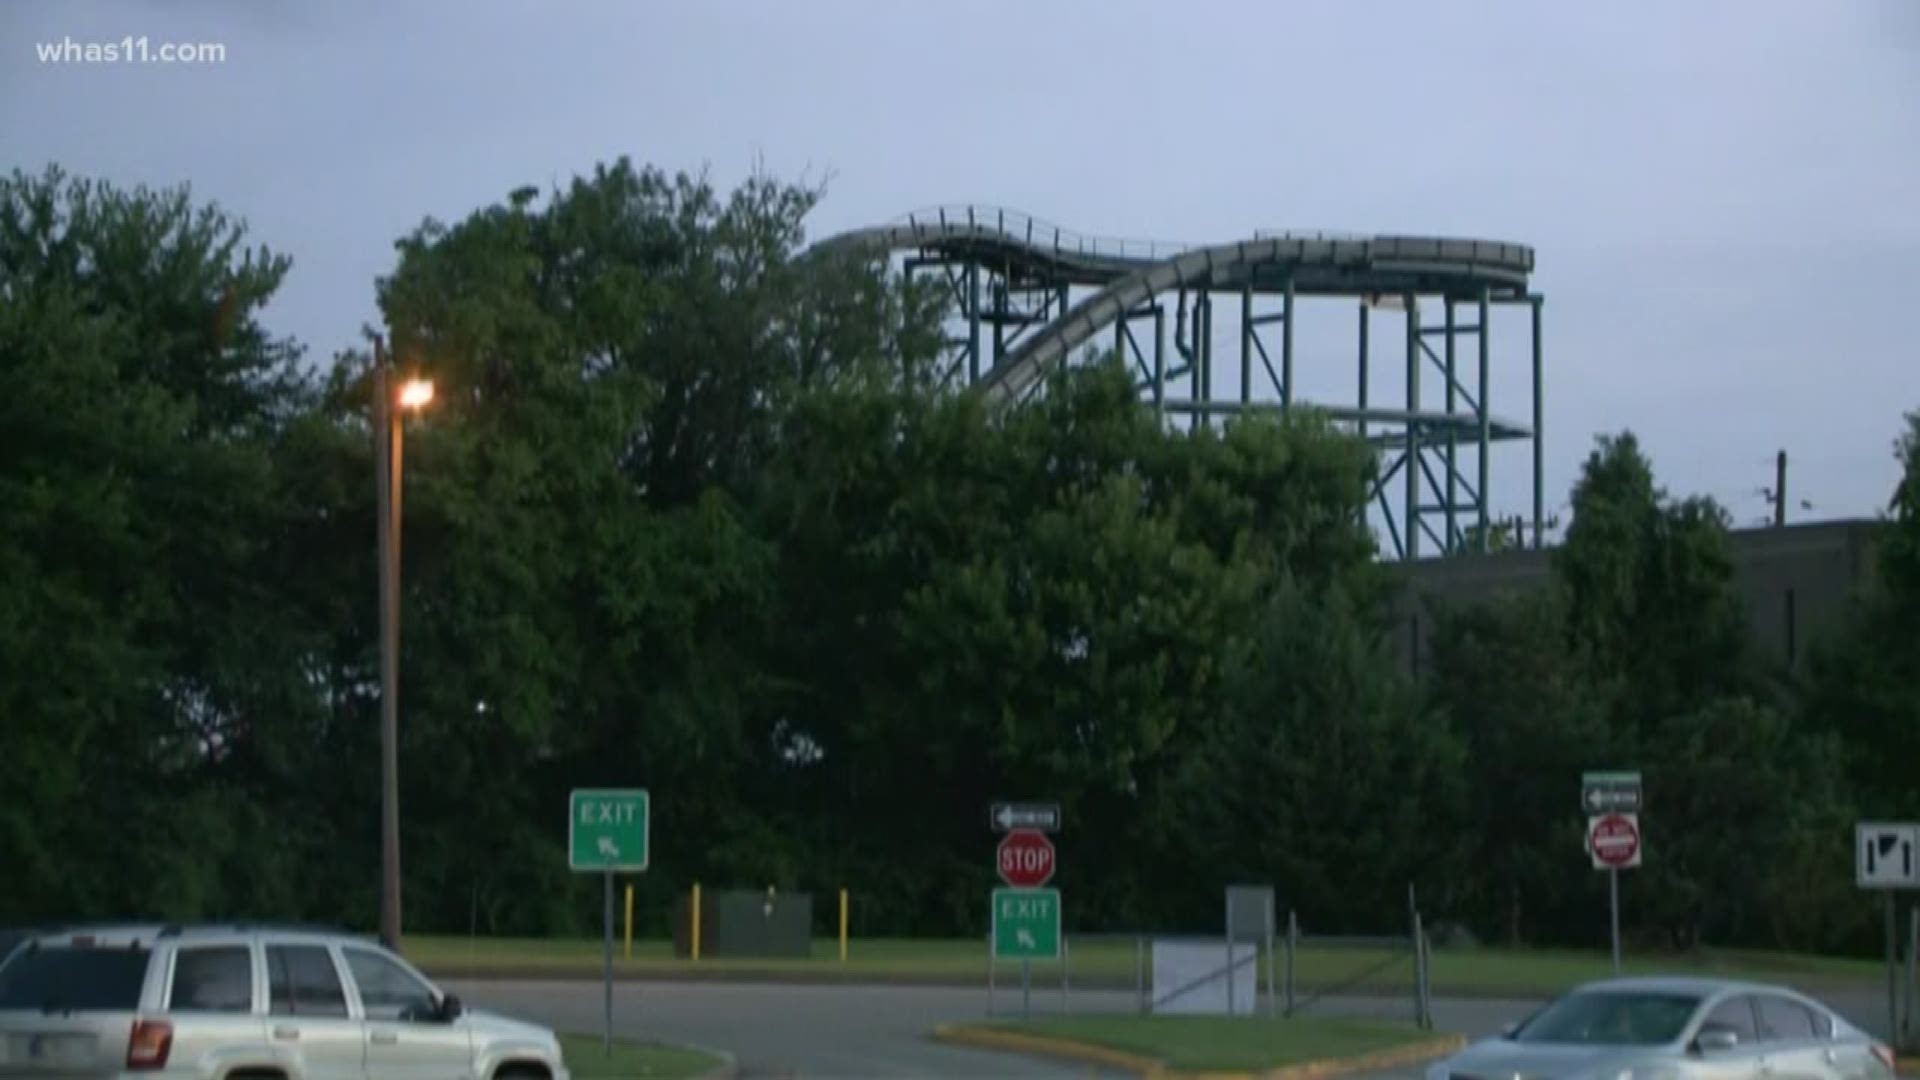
1026 924
607 830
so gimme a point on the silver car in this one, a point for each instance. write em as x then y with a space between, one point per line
1675 1029
245 1003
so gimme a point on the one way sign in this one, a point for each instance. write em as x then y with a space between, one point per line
1610 793
1886 855
1006 817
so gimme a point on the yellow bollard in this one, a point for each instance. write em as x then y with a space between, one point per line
629 922
843 926
696 921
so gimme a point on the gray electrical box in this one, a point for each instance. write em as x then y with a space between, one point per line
746 923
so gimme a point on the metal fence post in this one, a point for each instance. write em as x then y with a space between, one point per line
1231 972
989 975
1273 1000
1140 973
1426 979
1913 976
1417 962
1293 947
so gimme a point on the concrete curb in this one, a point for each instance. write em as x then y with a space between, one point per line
728 1069
1048 1046
1413 1054
1154 1069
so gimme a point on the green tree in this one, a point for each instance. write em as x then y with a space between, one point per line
145 662
1865 680
1660 630
1509 688
1733 778
1320 775
589 586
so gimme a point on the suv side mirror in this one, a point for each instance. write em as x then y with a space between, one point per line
1507 1029
1716 1041
450 1007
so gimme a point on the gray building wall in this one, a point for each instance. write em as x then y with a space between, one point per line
1795 581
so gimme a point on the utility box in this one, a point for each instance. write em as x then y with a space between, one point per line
745 923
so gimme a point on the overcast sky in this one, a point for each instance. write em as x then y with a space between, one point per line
1724 197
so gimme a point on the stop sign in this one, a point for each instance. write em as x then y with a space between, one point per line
1026 858
1615 841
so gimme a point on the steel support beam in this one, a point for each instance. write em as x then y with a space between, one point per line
973 324
1160 360
1453 439
1486 421
1286 348
1246 343
1539 436
1413 430
999 321
1363 368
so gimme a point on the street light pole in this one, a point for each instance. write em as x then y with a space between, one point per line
387 451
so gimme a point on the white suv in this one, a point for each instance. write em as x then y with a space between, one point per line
245 1003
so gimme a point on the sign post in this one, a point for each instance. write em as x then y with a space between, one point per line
1026 927
607 831
1886 857
1611 801
1026 916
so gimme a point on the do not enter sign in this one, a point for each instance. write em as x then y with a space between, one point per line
1026 859
1614 840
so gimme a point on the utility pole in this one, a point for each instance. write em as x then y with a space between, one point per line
388 439
387 451
1780 489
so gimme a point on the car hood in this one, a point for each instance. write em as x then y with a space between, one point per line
495 1026
1498 1059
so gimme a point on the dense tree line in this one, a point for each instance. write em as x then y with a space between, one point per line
693 511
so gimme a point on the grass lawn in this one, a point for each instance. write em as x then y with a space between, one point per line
1201 1043
1112 961
587 1059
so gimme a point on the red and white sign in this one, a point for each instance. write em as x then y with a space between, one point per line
1026 859
1614 841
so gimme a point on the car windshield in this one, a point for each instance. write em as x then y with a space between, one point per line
66 979
1611 1018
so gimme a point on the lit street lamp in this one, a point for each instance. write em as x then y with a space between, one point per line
388 437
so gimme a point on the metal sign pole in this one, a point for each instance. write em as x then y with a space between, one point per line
1613 888
1913 946
1026 989
990 964
1416 968
1140 974
607 1041
1233 972
1273 998
1893 968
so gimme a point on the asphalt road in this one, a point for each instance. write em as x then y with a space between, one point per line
863 1032
816 1032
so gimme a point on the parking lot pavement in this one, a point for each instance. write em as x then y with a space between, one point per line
860 1032
815 1032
